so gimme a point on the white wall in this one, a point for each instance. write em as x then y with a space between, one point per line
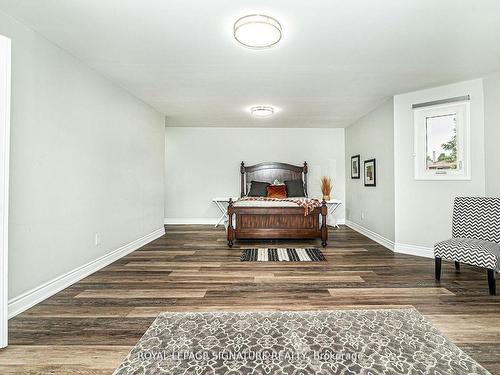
372 137
492 133
5 73
202 163
423 209
86 158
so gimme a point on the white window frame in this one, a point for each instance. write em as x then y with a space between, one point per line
463 171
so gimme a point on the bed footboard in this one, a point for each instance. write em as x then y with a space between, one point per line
276 223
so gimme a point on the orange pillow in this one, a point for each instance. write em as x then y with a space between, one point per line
276 191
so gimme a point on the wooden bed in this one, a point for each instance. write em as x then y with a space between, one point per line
275 222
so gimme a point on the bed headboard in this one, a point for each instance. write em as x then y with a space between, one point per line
268 172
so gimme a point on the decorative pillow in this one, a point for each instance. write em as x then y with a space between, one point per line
295 188
258 189
276 191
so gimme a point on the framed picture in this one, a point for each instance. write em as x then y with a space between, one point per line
370 173
355 163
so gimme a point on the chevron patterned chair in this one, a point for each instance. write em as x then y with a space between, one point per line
476 237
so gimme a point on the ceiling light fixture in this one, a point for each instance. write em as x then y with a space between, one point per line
262 111
257 31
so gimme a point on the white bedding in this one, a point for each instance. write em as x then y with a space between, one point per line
266 203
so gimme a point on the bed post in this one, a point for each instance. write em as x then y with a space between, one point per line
230 229
324 228
242 171
305 170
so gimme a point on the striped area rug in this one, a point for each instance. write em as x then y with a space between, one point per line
269 254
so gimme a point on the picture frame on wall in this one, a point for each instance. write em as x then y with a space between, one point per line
370 172
355 167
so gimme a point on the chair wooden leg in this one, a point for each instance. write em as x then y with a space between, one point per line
491 282
457 266
438 268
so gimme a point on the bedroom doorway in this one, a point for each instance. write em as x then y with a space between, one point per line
5 60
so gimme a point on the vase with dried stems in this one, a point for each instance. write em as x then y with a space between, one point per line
326 187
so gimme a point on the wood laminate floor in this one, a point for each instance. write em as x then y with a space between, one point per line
89 327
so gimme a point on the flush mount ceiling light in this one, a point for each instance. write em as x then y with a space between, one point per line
262 111
257 31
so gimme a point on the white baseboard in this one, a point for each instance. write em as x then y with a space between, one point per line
29 299
191 220
371 234
421 251
208 221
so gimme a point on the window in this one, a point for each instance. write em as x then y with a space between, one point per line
442 142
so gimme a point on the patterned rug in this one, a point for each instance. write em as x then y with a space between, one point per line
282 255
321 342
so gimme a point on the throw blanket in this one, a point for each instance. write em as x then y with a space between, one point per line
308 204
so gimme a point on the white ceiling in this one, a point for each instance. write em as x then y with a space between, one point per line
338 59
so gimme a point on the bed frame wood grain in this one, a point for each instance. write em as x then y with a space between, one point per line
275 222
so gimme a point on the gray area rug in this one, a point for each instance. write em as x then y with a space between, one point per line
323 342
